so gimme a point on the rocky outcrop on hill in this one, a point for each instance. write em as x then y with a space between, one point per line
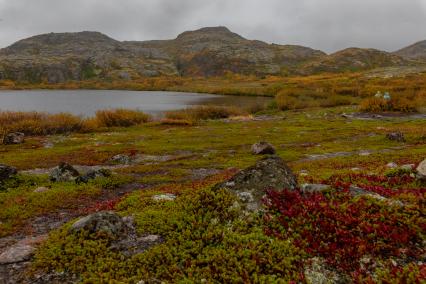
59 57
354 59
415 51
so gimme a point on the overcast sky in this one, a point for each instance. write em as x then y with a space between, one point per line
328 25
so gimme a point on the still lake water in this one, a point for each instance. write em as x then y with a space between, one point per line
87 102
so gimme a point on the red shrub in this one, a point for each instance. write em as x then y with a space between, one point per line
343 229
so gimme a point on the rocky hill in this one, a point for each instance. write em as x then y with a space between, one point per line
354 59
214 51
416 51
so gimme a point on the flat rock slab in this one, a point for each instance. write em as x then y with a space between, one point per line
21 251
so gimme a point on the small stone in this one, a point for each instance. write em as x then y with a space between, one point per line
41 189
396 136
391 165
121 159
355 169
364 153
14 138
313 188
263 148
245 197
164 197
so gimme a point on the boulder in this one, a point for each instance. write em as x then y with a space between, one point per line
121 159
14 138
262 148
21 251
7 172
64 172
421 170
251 184
107 222
396 136
92 174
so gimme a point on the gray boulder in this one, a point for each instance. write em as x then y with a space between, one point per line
262 148
251 184
421 170
7 172
92 174
14 138
396 136
108 223
64 172
121 159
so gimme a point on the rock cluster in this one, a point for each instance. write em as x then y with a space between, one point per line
65 172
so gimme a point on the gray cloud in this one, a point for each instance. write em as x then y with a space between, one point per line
323 24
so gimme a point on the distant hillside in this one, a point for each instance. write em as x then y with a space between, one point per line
416 51
354 59
214 51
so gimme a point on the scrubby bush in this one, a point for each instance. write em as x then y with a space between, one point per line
399 104
198 113
121 117
36 123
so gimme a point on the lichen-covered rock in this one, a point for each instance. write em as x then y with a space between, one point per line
14 138
108 223
6 172
314 188
251 184
121 159
64 172
262 148
92 174
396 136
421 170
21 251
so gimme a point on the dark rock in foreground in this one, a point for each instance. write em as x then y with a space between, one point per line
14 138
262 148
251 184
396 136
6 172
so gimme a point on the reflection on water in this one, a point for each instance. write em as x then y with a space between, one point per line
87 102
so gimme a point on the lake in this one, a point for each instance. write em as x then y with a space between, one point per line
87 102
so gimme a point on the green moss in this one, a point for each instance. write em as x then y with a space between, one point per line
204 236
